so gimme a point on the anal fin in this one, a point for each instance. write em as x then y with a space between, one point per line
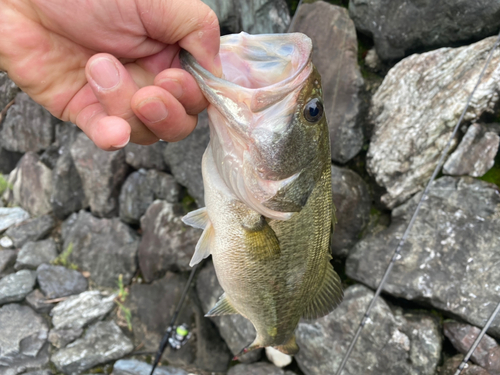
328 296
290 347
222 307
202 249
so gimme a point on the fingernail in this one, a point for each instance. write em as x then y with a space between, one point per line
122 144
173 86
104 73
153 110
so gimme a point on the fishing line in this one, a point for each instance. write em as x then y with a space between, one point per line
396 254
169 330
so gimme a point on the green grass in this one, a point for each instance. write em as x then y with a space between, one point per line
124 312
62 259
4 184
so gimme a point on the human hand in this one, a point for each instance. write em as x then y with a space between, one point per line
111 67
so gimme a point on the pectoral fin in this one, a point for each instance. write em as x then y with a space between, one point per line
328 297
202 249
222 307
197 218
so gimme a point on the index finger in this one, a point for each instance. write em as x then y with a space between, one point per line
190 23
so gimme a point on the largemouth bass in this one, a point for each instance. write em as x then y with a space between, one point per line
267 177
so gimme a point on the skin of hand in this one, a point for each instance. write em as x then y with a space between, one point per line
111 66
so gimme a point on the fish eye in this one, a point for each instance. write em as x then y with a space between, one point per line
313 111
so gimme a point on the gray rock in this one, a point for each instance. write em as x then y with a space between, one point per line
352 202
27 126
254 17
8 160
7 261
462 336
16 286
451 365
260 368
8 90
78 311
399 26
388 344
101 173
62 337
58 281
417 106
184 158
67 194
335 56
39 372
475 154
31 230
106 248
167 243
141 189
31 183
152 306
12 216
236 330
148 157
33 254
37 301
103 342
134 367
449 257
23 335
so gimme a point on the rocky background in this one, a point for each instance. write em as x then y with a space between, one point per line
94 257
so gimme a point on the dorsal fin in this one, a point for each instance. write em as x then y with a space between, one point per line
202 249
222 307
197 218
328 296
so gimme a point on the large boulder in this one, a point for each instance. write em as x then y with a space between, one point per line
335 56
106 248
390 344
147 157
417 106
449 258
101 172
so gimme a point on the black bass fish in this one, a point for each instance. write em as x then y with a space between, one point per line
268 215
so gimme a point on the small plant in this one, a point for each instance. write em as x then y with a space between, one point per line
4 184
62 259
123 312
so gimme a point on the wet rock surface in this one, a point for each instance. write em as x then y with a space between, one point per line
184 158
58 281
167 243
102 342
33 254
205 350
78 311
449 256
148 157
403 25
236 331
11 216
16 286
27 126
31 230
462 336
335 56
106 248
101 173
389 344
475 154
352 203
134 367
141 189
31 184
23 336
416 108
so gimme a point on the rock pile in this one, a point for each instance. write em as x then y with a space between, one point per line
94 256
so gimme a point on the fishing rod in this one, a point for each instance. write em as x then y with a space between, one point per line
397 251
168 332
